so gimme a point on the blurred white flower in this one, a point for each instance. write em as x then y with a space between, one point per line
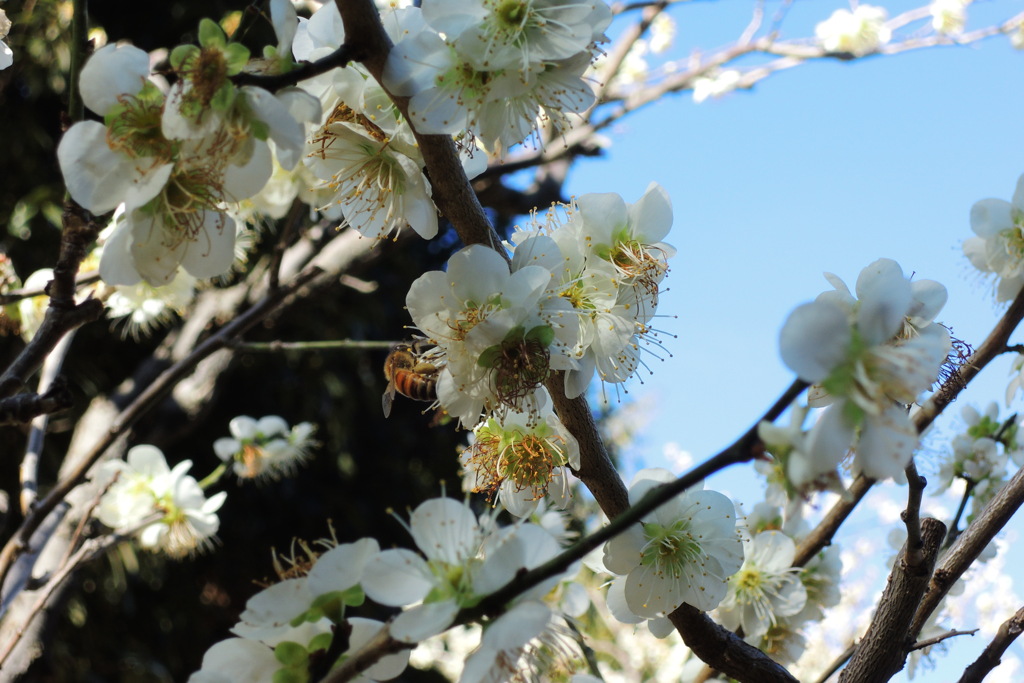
146 486
857 33
266 448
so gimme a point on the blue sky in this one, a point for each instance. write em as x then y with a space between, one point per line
824 167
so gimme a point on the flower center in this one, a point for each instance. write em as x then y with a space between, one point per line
670 548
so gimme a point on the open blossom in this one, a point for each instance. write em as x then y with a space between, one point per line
522 460
870 356
495 343
998 247
715 85
683 551
765 588
496 69
858 32
607 261
146 486
462 560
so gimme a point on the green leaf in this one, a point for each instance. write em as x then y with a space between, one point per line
291 654
321 641
290 676
210 34
354 596
259 130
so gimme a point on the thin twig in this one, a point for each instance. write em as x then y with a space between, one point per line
993 652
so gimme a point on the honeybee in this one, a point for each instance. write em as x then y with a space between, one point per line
410 374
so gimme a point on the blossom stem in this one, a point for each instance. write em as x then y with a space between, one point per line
213 477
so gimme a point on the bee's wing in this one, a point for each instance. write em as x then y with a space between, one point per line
388 397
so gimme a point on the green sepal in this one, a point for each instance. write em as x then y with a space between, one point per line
237 56
354 596
320 641
258 129
291 654
211 34
290 676
543 334
489 357
223 98
182 54
330 605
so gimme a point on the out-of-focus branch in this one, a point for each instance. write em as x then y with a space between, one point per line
883 650
993 652
58 392
19 543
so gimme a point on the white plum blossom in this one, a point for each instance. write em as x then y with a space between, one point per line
496 69
607 261
998 247
522 458
463 559
683 551
266 448
1017 380
715 85
126 159
765 588
144 487
949 16
144 307
521 644
495 344
289 622
871 360
857 33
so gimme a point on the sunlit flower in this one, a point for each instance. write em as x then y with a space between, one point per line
868 369
522 460
765 588
998 247
684 551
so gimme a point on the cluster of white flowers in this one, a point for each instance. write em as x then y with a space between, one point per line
857 33
998 247
980 454
869 358
176 156
294 620
684 551
463 559
769 598
266 448
145 487
497 69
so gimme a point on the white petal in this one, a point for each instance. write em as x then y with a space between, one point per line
445 529
423 621
397 577
814 340
114 70
213 251
341 567
885 298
